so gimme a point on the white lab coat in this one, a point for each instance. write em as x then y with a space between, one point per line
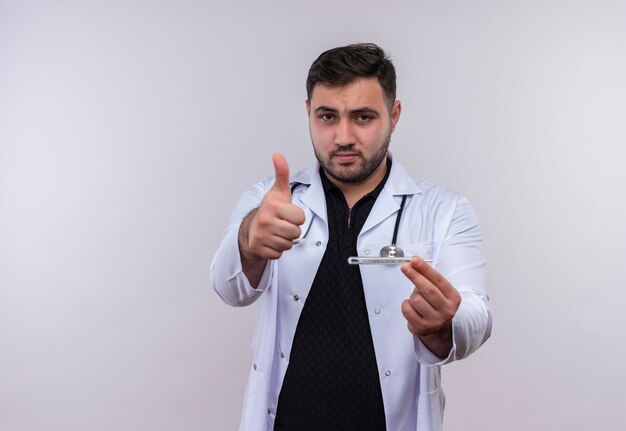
435 224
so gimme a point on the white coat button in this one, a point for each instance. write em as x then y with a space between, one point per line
282 354
296 297
269 412
367 252
387 373
318 243
377 310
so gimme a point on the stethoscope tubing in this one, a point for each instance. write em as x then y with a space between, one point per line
390 255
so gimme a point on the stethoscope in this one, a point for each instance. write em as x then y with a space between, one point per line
389 254
392 250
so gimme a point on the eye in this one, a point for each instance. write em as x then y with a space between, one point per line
326 117
364 118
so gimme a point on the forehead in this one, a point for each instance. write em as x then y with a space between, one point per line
363 92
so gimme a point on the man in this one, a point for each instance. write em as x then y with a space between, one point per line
349 347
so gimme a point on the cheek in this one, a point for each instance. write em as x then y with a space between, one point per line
321 137
371 139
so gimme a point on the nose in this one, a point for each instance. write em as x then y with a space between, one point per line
344 133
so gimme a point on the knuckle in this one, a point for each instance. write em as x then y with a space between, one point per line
406 308
300 216
456 297
264 218
427 292
297 232
449 314
272 205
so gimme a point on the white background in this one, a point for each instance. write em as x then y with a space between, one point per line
128 129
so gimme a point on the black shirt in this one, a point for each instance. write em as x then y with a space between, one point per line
332 381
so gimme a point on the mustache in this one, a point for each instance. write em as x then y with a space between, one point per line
345 149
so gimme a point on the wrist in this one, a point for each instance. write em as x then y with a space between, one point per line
248 257
252 265
439 342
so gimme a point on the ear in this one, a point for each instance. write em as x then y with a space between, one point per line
396 109
307 103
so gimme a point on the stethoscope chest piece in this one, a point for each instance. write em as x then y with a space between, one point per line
391 251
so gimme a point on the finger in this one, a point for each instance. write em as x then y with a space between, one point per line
271 247
292 214
424 287
278 243
281 170
422 306
434 276
267 226
421 318
415 321
285 229
409 312
273 208
268 253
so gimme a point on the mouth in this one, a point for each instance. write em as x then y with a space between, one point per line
346 157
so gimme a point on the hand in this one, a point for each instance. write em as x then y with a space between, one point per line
271 228
431 306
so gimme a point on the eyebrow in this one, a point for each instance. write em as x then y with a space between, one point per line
362 110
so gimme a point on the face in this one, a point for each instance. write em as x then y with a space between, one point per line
351 128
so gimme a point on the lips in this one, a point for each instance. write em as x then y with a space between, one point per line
345 157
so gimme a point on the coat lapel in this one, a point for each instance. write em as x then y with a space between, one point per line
313 197
387 204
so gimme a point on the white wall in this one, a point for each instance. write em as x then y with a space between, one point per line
129 128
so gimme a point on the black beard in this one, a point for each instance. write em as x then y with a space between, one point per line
368 168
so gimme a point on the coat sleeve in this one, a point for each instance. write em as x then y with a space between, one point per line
227 277
461 260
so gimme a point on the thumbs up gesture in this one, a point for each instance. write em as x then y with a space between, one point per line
270 229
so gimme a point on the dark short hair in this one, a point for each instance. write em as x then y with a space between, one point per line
343 65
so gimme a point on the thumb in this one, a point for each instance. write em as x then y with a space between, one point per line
281 168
